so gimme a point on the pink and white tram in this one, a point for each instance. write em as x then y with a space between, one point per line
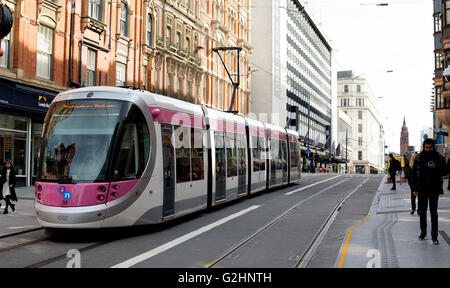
114 157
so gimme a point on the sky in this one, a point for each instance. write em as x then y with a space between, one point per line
371 40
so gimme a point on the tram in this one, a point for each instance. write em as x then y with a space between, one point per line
116 157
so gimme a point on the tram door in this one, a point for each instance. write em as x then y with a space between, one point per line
221 177
168 170
284 160
242 175
273 164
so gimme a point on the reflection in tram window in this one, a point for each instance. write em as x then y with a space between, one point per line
182 153
240 141
197 160
262 152
77 140
256 152
220 166
134 147
230 144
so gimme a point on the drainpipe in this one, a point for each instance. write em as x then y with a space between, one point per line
72 19
110 23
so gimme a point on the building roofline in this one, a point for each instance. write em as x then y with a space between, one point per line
321 36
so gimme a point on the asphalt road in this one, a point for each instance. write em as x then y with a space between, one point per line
268 230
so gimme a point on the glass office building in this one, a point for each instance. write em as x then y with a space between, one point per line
308 77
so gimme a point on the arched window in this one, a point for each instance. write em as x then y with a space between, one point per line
149 29
123 19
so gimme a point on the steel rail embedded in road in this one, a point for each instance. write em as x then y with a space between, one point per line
266 226
315 242
20 232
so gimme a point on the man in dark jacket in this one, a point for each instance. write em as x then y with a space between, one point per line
426 175
393 167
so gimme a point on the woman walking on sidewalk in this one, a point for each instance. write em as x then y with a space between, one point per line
7 184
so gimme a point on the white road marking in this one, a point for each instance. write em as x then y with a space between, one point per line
306 187
147 255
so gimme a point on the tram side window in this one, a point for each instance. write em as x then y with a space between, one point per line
274 154
230 144
240 141
294 154
256 152
284 155
134 147
220 153
197 161
182 153
262 152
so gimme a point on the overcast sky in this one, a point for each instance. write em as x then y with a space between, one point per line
370 40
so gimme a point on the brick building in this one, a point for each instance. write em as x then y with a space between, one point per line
163 46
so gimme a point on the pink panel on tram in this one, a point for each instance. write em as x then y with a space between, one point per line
177 118
223 126
71 195
81 194
119 189
276 135
256 131
293 139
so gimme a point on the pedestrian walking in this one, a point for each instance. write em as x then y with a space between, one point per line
408 175
428 168
393 167
7 184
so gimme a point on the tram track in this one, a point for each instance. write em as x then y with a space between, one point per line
21 232
315 242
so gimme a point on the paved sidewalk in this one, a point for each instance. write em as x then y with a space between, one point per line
387 237
23 218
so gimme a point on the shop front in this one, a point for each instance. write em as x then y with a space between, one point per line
22 113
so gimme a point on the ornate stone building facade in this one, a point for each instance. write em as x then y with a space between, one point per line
184 65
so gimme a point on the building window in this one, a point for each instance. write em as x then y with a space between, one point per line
360 102
121 73
345 88
178 39
123 19
149 30
4 45
188 44
344 102
360 128
91 67
44 52
360 155
437 23
447 12
360 115
168 34
358 88
95 9
360 141
438 60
